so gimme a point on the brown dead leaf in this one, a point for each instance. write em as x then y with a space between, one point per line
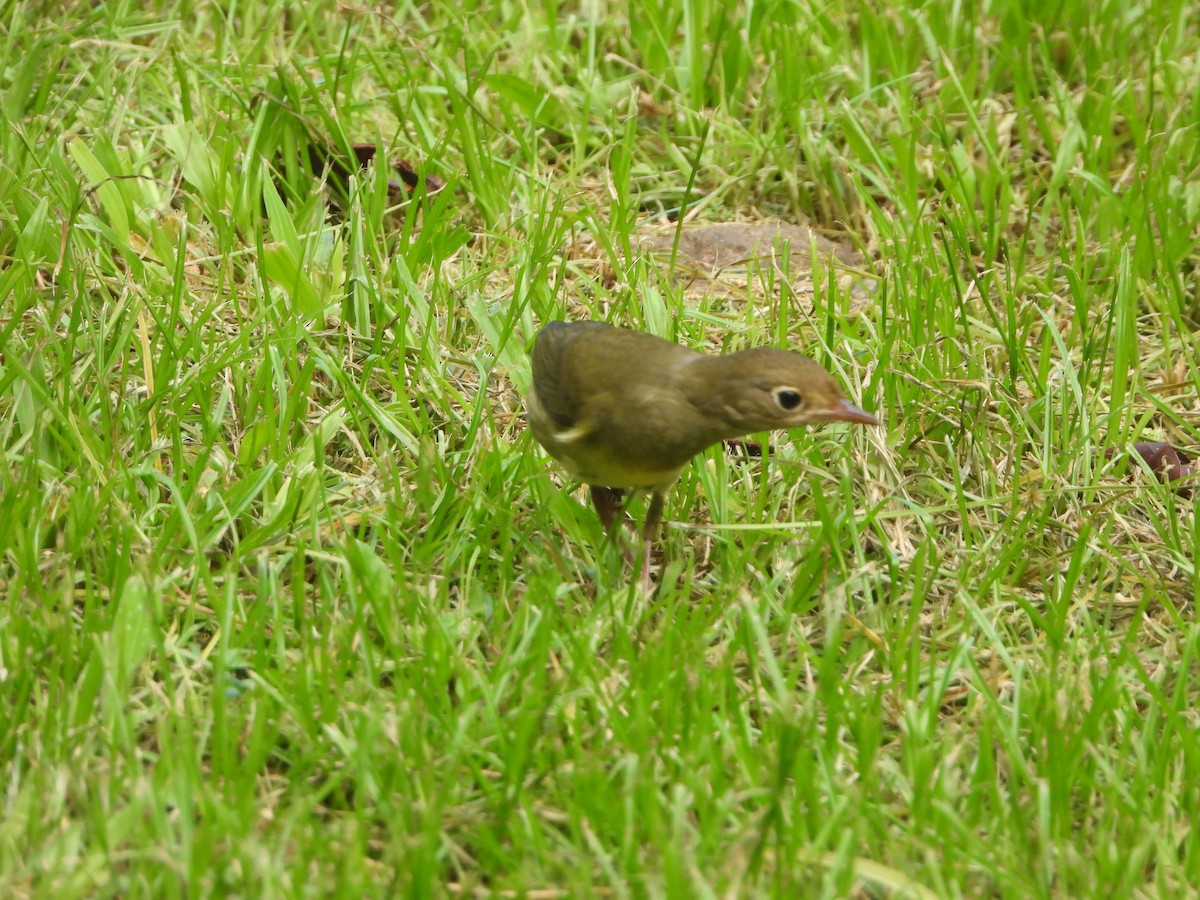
1167 462
748 449
323 156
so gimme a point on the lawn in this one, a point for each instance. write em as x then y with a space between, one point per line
293 605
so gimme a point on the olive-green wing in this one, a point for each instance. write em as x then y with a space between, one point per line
558 362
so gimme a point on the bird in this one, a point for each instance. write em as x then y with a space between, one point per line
623 410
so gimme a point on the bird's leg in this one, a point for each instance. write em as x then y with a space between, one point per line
649 534
608 503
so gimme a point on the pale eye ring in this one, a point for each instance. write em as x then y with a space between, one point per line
788 399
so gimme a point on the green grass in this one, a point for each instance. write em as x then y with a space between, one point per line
293 605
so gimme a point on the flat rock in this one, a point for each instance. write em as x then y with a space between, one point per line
727 257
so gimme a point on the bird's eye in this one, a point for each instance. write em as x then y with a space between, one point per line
789 399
